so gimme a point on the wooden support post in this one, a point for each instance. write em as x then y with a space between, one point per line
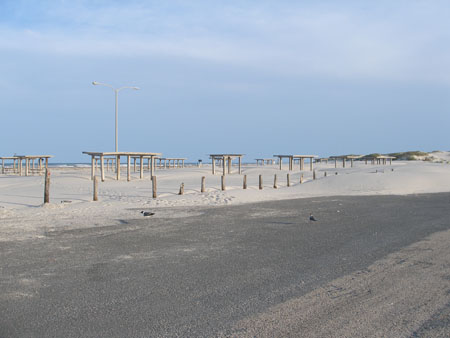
281 160
335 162
288 180
229 165
343 162
92 167
128 168
213 161
154 186
181 192
239 159
27 165
223 166
134 164
311 164
95 198
3 166
260 182
202 189
291 161
47 187
148 164
141 167
275 186
301 178
152 165
118 167
244 183
102 168
222 181
314 174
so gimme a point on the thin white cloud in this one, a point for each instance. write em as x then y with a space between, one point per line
407 43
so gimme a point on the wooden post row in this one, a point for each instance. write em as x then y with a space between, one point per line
203 184
47 187
95 197
181 192
154 186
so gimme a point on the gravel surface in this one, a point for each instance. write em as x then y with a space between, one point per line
370 266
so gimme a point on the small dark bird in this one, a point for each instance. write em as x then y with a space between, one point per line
147 213
311 218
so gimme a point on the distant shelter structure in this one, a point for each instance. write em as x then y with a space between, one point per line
226 161
16 166
299 158
344 158
264 161
177 162
380 159
115 156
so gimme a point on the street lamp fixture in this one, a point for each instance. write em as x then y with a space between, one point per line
116 91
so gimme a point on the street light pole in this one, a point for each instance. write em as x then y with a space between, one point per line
116 91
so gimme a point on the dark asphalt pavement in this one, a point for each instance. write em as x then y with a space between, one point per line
194 272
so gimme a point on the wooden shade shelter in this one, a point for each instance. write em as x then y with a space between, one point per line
226 160
175 162
116 155
299 158
264 161
344 158
30 167
381 159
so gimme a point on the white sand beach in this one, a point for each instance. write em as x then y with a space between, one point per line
23 215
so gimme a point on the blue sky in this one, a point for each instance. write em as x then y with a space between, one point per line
252 77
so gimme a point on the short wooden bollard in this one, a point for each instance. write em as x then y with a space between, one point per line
314 175
301 178
95 198
222 181
275 182
154 186
244 183
260 182
181 192
47 187
202 189
288 180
